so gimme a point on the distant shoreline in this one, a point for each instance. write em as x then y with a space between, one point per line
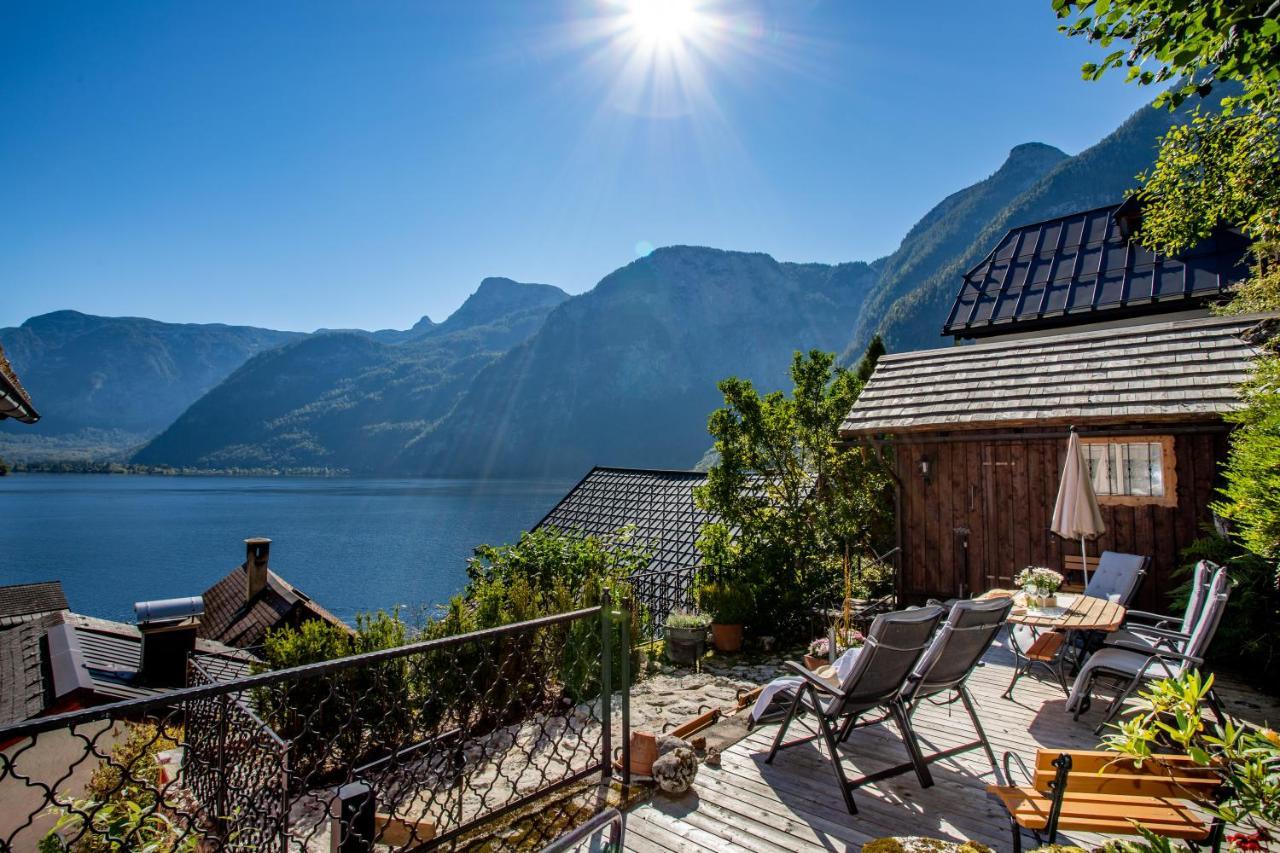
83 467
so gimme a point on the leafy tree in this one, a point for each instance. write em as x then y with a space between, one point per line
1222 168
791 498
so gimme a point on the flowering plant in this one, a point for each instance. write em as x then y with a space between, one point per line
849 639
1044 581
845 640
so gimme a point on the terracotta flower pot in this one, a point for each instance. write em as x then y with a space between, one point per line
815 662
727 638
644 751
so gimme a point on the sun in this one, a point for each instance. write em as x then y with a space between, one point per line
665 24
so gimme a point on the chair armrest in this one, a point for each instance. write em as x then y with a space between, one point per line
1146 616
1157 633
808 675
1161 653
1022 767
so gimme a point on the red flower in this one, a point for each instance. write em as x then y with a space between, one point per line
1249 840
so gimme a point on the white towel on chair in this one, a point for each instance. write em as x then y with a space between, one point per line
843 666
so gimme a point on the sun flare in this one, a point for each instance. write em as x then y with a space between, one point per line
664 23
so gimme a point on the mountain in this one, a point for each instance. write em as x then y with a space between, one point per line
1097 176
947 231
626 373
123 378
388 336
348 400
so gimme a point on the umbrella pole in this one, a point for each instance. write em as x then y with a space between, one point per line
1084 561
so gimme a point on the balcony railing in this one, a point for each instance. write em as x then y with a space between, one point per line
411 747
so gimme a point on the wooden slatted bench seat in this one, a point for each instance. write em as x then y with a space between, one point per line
1087 791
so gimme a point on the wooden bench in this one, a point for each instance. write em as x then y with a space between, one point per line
1073 572
1101 792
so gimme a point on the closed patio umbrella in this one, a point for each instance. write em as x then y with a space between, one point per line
1076 513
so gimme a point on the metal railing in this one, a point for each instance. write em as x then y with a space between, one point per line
657 593
410 747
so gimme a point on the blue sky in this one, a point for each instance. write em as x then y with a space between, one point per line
311 163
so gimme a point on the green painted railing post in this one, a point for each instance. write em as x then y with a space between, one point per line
625 617
606 681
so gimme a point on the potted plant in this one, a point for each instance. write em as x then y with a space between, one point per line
686 636
1041 586
731 604
820 650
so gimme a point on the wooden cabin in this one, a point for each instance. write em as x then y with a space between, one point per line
1078 326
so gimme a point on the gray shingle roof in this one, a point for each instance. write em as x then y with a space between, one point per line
659 503
24 680
229 618
30 599
1181 370
1083 267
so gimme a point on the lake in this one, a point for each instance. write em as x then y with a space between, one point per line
351 544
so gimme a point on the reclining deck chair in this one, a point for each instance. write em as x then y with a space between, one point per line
1171 632
944 667
1117 576
894 645
1117 579
1132 665
962 641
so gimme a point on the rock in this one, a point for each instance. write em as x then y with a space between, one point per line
668 743
674 770
713 757
698 743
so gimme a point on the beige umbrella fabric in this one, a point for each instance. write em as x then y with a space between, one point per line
1076 513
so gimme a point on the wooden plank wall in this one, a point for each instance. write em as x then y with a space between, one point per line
1003 493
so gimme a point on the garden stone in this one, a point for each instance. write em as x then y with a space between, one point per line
675 769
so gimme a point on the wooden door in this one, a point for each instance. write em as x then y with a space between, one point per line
1003 519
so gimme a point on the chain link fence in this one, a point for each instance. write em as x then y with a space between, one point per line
414 747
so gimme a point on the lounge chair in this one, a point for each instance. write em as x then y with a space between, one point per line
962 641
894 645
1132 665
1117 576
1172 632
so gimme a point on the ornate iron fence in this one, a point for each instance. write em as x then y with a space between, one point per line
658 593
412 747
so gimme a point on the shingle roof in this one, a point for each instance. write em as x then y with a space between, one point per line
230 619
24 679
15 402
1083 267
1181 370
658 503
21 600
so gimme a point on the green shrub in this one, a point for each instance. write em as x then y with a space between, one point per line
728 602
122 798
318 714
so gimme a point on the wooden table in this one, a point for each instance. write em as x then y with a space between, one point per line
1079 613
1082 613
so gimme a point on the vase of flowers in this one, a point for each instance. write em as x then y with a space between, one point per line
1040 584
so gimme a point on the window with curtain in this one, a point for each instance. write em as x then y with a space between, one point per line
1138 469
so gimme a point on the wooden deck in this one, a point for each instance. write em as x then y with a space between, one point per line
794 804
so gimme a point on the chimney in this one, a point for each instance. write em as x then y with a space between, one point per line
168 629
257 552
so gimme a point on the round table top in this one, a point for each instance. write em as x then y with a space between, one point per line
1073 613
